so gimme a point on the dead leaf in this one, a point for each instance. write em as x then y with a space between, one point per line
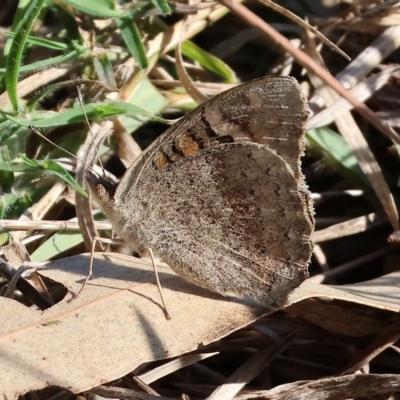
80 344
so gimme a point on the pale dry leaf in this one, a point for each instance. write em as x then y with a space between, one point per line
81 344
381 293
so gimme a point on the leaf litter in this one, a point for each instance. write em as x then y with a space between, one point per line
331 342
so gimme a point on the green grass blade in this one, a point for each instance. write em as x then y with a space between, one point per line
104 70
16 49
162 5
74 115
49 44
208 61
49 62
338 154
97 8
57 244
131 35
53 168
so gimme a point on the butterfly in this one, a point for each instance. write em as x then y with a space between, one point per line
220 196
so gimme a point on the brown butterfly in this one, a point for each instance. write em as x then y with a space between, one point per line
220 195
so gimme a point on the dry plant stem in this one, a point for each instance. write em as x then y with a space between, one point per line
83 208
388 337
90 271
337 388
321 258
305 25
309 64
172 366
328 276
167 316
50 225
13 282
128 149
184 77
350 227
144 386
363 91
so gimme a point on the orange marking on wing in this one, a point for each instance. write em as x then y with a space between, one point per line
160 161
187 146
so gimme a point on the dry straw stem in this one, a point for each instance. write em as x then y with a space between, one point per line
172 366
350 227
49 225
330 275
87 156
251 368
184 77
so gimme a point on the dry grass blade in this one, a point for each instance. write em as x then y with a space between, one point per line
184 77
50 225
305 25
349 129
388 337
351 227
172 366
251 368
362 92
87 156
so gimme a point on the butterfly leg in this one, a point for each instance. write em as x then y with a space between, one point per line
167 316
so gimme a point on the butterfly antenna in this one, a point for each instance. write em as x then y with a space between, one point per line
78 90
37 132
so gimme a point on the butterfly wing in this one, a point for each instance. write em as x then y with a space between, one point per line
270 111
229 218
221 196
